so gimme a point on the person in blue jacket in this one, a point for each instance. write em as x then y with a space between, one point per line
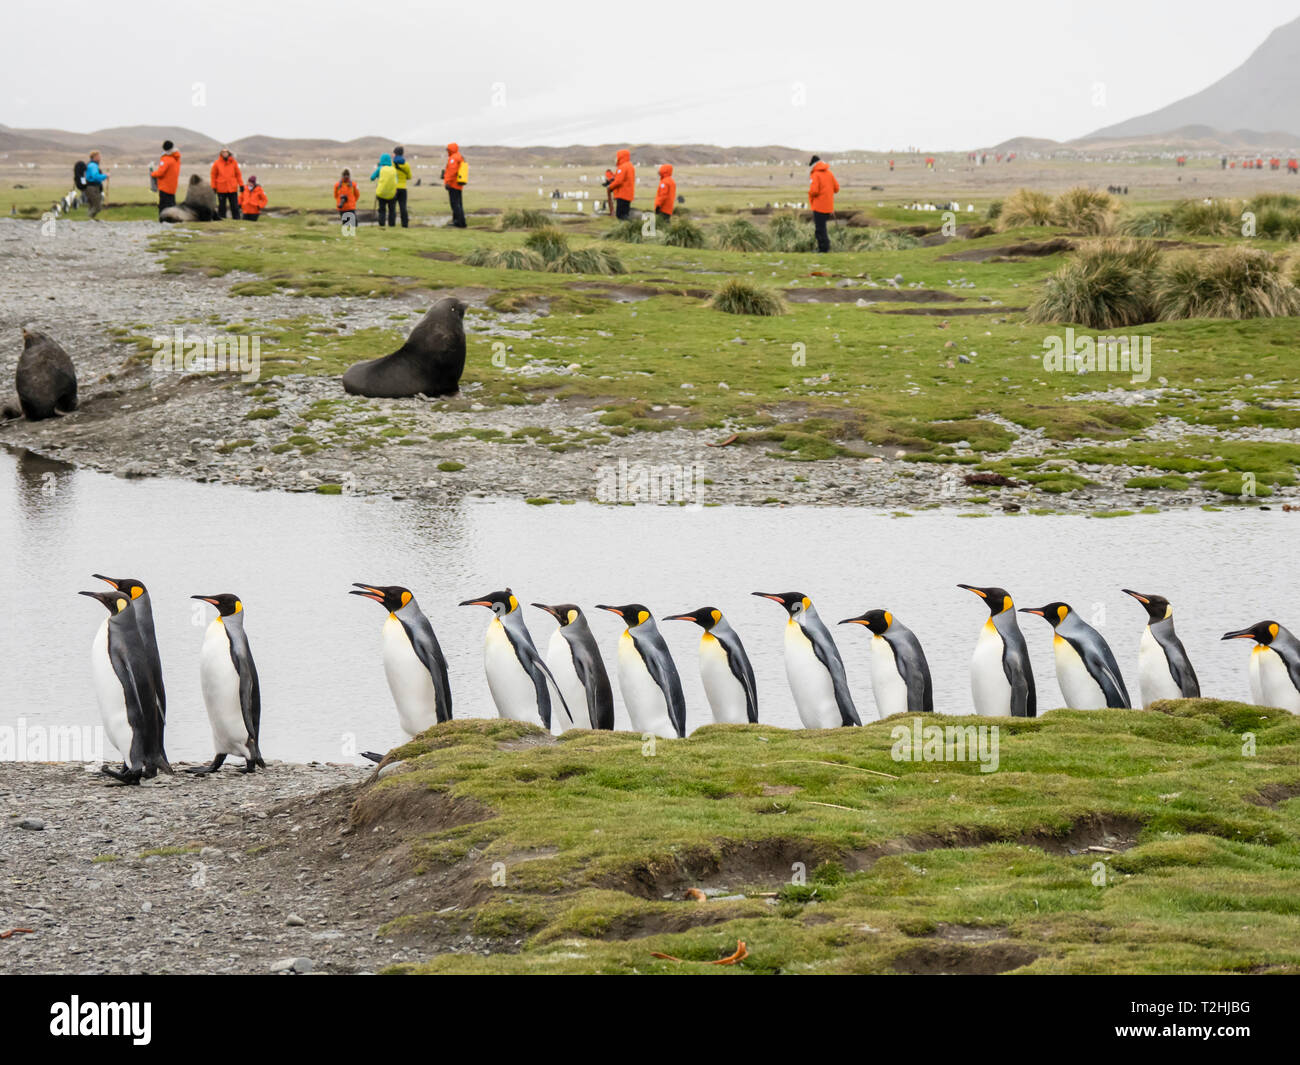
95 178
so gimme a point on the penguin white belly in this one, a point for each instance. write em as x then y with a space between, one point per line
559 660
1154 678
510 684
220 683
1275 681
412 686
725 692
810 681
645 701
989 688
109 695
1080 690
1256 676
887 683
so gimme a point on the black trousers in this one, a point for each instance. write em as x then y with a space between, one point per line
456 197
662 219
820 218
621 208
165 200
387 211
231 198
401 208
250 217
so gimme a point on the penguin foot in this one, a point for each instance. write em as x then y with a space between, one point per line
250 766
123 775
204 770
372 756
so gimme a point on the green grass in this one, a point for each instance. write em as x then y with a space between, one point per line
850 861
851 378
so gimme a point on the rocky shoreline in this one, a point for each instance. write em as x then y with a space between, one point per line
235 873
89 279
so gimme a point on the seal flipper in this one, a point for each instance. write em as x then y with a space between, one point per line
372 756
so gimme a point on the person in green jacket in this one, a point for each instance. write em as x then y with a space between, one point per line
385 176
403 169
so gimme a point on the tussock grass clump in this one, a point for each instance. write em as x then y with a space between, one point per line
505 259
1217 218
741 297
1147 224
524 218
741 235
548 242
1088 210
786 234
1105 285
994 211
1235 282
683 233
628 231
1025 207
1277 223
1283 201
590 260
881 240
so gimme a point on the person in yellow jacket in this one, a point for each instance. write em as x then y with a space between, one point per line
252 201
403 169
385 178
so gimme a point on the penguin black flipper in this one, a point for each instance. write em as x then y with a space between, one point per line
824 649
427 649
143 728
595 682
914 669
659 665
250 692
527 654
1101 664
738 662
1180 666
1019 672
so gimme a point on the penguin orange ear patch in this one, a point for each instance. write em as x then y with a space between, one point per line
1007 604
406 598
1272 629
573 616
514 603
642 617
717 615
1061 611
889 618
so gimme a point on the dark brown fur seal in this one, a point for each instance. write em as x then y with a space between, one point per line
429 363
46 378
200 204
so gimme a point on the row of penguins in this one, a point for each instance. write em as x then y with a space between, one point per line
127 671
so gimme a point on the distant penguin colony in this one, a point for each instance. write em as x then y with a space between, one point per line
127 676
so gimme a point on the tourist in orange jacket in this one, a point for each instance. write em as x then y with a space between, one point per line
252 201
455 175
167 175
623 185
822 188
346 195
227 182
666 195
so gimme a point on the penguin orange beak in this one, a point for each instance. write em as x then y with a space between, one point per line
862 620
1033 610
678 617
210 599
542 606
611 609
1239 634
477 602
366 591
1136 595
776 597
106 580
978 591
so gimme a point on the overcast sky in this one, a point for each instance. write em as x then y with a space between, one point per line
824 75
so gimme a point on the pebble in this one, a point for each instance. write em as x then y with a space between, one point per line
294 921
32 824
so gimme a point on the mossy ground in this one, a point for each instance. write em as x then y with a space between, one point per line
1107 841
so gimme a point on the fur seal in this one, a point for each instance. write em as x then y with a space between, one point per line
429 363
46 378
200 204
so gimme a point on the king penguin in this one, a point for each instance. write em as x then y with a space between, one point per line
1274 665
1164 671
647 676
900 675
1001 678
228 677
574 661
142 611
516 674
725 671
1086 669
127 702
413 661
813 666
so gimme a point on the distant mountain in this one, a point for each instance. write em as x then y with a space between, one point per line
145 141
1262 94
